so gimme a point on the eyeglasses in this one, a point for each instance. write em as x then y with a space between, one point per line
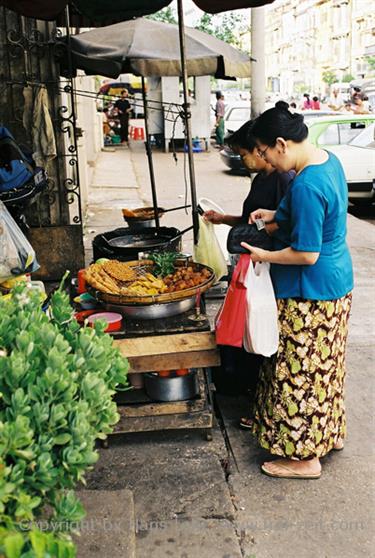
263 153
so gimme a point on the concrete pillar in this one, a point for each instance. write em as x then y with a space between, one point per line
258 69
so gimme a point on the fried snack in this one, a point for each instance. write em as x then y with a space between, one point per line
185 278
120 271
99 279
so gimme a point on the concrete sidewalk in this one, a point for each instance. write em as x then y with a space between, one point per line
190 500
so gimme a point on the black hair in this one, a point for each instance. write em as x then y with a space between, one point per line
218 95
293 105
315 99
307 95
279 122
243 138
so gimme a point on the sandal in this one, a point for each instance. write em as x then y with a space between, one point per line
339 446
290 473
246 423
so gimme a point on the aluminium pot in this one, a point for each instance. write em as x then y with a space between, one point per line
171 388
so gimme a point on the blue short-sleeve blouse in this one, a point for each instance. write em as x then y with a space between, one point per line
312 218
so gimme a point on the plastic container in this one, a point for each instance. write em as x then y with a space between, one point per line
81 281
113 320
86 301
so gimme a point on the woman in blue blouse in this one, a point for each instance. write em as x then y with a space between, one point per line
300 413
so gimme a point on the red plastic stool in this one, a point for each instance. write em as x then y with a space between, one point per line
138 133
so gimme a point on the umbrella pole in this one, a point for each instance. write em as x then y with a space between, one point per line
187 118
149 155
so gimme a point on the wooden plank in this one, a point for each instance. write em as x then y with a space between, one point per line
162 408
164 422
164 345
172 361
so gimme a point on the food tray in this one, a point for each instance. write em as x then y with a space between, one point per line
147 265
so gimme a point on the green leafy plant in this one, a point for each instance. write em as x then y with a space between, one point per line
56 386
164 262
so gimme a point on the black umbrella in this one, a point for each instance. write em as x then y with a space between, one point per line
151 48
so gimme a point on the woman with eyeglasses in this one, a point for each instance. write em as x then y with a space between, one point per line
300 413
239 369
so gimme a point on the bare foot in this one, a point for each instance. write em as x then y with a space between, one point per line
339 446
289 468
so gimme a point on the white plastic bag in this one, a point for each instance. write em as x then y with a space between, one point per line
16 253
208 251
261 334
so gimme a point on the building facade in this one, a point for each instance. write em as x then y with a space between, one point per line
306 39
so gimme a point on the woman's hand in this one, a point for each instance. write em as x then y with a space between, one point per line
213 217
257 254
266 214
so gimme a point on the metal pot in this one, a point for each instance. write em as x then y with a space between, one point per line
153 311
172 388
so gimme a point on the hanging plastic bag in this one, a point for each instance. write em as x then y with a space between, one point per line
261 335
16 253
230 321
208 251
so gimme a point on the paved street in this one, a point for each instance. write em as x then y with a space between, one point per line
190 499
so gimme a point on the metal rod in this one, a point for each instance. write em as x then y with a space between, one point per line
187 116
74 114
149 156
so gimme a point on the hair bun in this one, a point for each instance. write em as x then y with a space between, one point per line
282 105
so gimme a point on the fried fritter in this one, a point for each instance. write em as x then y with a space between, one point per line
120 271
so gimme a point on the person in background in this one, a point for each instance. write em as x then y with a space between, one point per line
219 124
359 106
348 107
307 103
336 101
292 107
239 370
300 411
315 103
123 110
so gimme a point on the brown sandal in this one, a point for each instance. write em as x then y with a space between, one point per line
246 423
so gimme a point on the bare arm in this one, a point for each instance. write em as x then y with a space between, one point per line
287 256
221 218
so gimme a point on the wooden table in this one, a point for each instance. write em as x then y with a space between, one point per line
166 352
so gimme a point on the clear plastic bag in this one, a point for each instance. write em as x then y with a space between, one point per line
208 251
261 335
16 253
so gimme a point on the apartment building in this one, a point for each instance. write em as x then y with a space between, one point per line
305 38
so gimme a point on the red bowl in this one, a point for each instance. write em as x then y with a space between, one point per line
81 316
113 320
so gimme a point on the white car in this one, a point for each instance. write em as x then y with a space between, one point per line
358 160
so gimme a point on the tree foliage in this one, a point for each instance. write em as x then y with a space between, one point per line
371 62
329 77
166 15
227 27
347 78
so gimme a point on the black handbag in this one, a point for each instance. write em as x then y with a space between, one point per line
250 234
